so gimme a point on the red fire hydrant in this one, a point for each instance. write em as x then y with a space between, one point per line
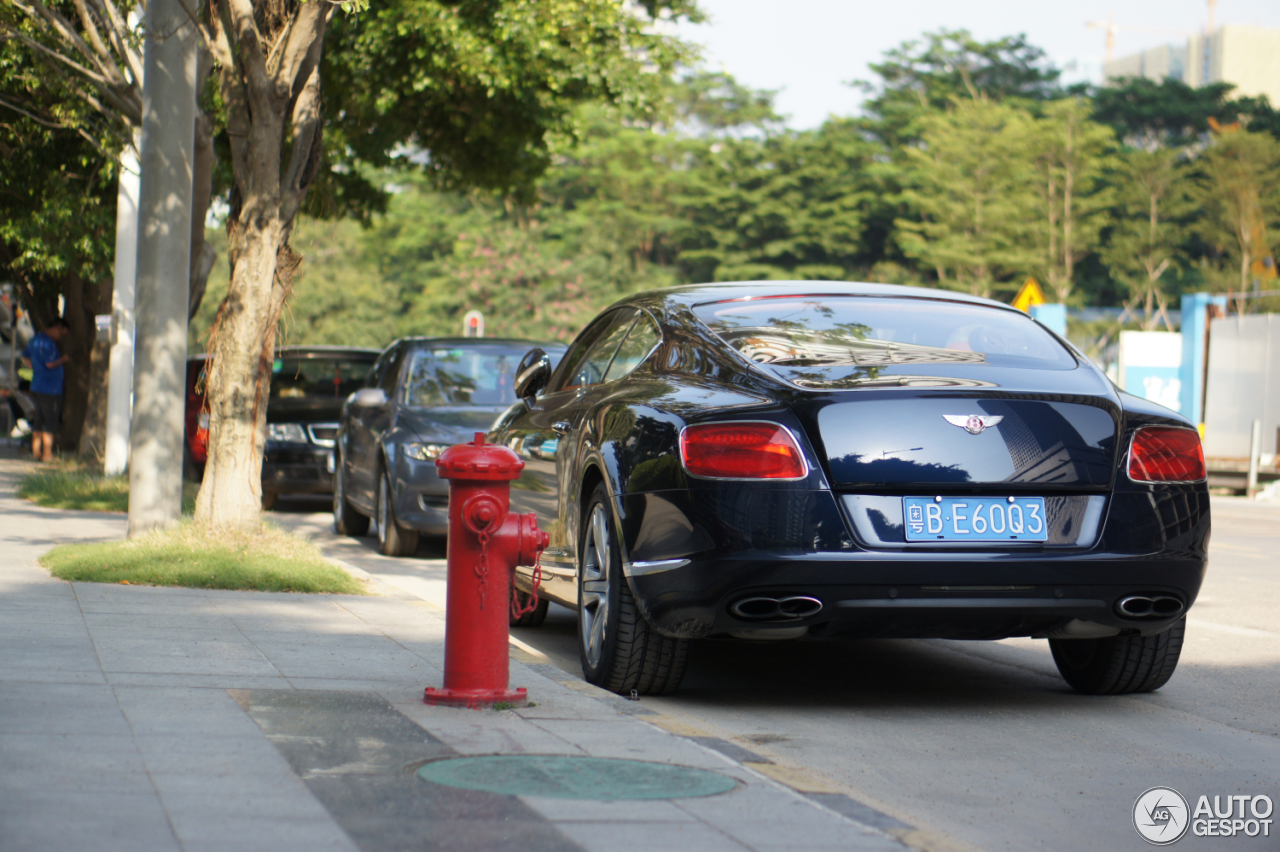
486 543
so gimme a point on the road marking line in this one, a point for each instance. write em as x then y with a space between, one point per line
1230 628
796 779
674 726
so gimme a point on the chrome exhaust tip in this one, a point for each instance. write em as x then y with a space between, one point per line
1150 606
776 609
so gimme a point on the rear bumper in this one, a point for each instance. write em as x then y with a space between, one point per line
297 469
972 598
692 556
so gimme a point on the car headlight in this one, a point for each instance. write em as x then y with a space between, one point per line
424 452
286 432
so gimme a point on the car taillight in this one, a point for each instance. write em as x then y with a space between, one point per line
741 451
1161 454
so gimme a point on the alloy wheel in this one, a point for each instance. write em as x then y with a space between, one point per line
595 608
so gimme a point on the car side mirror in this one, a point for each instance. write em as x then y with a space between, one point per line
533 373
369 398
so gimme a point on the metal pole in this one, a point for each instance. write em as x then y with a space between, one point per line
164 268
120 383
1255 450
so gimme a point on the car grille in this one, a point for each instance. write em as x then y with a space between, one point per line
323 434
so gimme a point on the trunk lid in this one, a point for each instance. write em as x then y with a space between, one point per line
907 440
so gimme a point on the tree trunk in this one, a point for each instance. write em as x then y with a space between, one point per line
269 106
93 435
240 377
81 303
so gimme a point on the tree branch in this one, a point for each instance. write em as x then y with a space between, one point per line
308 126
64 29
252 61
195 22
105 60
120 33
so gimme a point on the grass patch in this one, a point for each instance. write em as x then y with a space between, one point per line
71 485
268 560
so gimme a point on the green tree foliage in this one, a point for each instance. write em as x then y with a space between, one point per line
1239 192
787 206
949 64
57 213
1070 154
969 196
1169 113
1149 227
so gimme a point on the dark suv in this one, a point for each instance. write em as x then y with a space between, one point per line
308 387
423 395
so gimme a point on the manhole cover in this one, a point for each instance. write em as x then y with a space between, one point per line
575 777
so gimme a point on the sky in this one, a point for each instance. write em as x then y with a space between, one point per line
808 49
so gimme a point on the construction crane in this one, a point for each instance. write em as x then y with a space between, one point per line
1111 28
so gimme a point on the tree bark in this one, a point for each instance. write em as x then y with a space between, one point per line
82 302
93 434
273 104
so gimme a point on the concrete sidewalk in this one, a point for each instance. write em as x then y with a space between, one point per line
138 718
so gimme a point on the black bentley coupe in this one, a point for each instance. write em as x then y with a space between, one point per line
774 460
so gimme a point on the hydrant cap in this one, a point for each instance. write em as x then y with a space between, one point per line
479 461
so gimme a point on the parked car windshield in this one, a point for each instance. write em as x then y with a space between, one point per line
455 375
327 376
855 341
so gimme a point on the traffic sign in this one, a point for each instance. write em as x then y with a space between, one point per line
473 324
1029 295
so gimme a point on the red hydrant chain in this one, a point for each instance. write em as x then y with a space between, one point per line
518 611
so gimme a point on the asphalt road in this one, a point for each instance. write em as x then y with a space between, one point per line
981 742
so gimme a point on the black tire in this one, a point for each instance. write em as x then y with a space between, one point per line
347 520
393 539
619 650
1119 665
534 618
269 500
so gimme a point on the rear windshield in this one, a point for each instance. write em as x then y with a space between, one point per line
858 341
337 377
462 376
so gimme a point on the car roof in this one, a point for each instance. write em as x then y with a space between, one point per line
320 350
691 295
480 341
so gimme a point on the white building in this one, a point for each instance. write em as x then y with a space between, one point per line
1248 57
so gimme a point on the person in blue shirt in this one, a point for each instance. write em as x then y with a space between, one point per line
45 360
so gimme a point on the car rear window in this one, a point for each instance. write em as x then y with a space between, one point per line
293 378
462 376
851 341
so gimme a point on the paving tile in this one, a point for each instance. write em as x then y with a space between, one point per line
69 752
237 796
51 708
647 836
43 820
205 681
245 756
159 655
70 781
183 710
575 810
213 832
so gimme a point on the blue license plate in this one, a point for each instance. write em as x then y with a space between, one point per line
974 518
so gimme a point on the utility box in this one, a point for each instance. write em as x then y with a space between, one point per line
1150 363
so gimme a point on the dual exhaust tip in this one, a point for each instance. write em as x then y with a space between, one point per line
1149 606
766 608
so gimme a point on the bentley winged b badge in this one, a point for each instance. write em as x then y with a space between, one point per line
973 423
